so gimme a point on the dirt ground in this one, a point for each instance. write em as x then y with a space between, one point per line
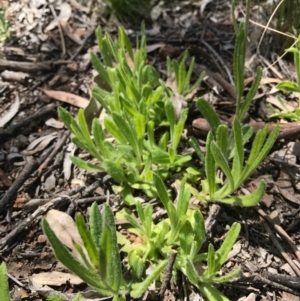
45 64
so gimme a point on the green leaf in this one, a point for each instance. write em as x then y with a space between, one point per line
134 223
145 216
112 128
247 200
210 168
195 145
4 289
95 223
100 96
199 230
110 262
211 293
222 162
128 132
178 130
88 241
137 264
197 83
190 271
139 123
231 237
125 42
115 171
239 149
85 165
209 114
137 289
150 131
250 95
67 259
238 64
183 199
288 86
161 190
210 262
186 238
222 138
227 277
169 109
189 73
99 67
66 117
259 150
99 137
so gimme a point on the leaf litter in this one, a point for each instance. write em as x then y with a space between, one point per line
175 28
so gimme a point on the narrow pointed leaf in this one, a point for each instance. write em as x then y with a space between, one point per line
222 162
110 262
246 200
210 168
95 223
208 113
88 241
161 190
137 289
211 293
4 289
222 253
250 95
67 259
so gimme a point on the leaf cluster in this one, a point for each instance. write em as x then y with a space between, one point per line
99 262
183 75
136 102
289 86
223 147
183 230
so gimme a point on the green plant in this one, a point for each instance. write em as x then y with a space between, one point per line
241 31
183 230
183 76
137 102
99 262
288 86
220 148
133 156
132 86
4 26
4 289
225 147
287 21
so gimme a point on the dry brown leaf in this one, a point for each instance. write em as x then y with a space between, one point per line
153 47
13 110
39 144
289 297
64 227
56 278
66 231
70 32
54 123
179 104
67 161
274 101
50 183
70 98
64 15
